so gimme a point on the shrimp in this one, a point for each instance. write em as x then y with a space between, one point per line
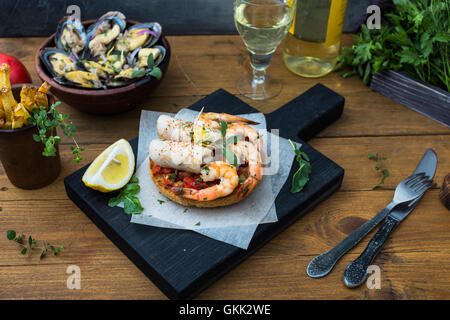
246 151
212 120
245 132
229 180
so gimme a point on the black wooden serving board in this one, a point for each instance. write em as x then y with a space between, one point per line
183 263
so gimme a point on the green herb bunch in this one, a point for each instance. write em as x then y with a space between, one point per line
47 121
151 69
30 244
301 176
413 38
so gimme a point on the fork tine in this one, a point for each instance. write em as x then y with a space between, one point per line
423 187
415 177
419 182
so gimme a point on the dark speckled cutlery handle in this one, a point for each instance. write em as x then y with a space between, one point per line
356 272
322 264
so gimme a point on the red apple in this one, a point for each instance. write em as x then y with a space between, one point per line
19 73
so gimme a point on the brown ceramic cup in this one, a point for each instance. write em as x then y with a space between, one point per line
22 157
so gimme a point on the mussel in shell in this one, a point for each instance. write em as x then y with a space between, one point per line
98 69
139 36
106 54
159 52
57 61
80 78
70 35
102 34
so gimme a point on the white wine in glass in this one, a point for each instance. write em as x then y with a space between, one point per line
262 24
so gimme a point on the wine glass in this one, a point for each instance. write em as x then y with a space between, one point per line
262 25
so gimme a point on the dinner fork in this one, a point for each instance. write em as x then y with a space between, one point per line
408 190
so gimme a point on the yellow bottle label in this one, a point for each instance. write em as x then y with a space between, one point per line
319 20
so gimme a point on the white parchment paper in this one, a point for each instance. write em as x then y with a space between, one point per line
234 224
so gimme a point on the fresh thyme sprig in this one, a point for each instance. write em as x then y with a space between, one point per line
30 244
379 166
47 121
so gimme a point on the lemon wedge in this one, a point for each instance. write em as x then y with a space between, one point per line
112 169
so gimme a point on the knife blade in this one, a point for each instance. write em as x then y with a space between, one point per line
322 264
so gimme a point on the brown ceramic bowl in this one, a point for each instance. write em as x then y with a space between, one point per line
22 157
100 101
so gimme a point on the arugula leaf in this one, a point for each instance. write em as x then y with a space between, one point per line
127 196
301 176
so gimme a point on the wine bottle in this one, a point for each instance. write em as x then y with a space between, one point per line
312 44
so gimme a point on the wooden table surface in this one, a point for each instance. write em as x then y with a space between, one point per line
414 263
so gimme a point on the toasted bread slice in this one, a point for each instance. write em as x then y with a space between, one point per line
219 202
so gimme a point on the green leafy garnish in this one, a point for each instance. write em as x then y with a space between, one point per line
301 177
30 244
379 166
127 196
47 121
160 201
414 38
150 70
198 223
228 155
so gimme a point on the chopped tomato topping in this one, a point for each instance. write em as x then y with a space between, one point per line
162 170
182 179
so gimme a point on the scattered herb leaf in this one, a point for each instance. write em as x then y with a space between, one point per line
127 196
379 166
301 177
29 246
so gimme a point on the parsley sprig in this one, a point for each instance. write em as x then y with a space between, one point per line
150 70
127 196
414 38
47 121
30 244
301 177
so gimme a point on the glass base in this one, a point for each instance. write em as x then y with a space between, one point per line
309 67
259 90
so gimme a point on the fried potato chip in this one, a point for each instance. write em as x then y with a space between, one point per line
21 111
17 122
4 76
41 95
8 101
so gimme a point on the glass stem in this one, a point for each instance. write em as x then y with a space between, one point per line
259 64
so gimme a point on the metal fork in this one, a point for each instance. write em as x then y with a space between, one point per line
408 190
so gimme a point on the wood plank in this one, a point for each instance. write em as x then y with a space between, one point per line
282 262
189 76
403 155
